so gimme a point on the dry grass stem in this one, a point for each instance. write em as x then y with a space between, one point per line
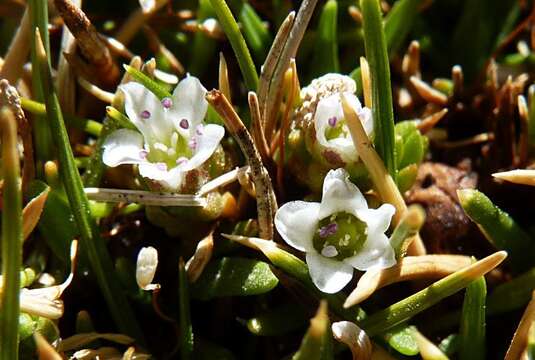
264 190
97 92
410 65
366 82
18 51
424 267
257 128
159 48
201 257
136 20
428 350
223 180
32 213
382 180
518 176
474 140
117 47
523 136
355 338
45 351
519 341
144 197
224 84
428 93
431 121
458 80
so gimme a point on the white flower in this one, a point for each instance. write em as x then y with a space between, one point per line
147 262
332 133
172 138
338 234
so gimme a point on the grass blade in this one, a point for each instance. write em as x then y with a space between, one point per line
186 331
255 32
473 321
325 58
232 30
11 238
99 258
377 56
398 23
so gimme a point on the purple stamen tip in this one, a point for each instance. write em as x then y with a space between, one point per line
181 160
167 102
143 154
328 230
184 124
200 129
332 121
161 166
192 144
145 114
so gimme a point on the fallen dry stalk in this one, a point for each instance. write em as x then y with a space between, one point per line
384 183
424 267
518 176
265 196
519 341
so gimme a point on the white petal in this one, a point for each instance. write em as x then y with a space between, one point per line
378 220
122 146
189 103
340 194
376 253
207 143
330 276
138 99
169 179
147 5
147 262
296 222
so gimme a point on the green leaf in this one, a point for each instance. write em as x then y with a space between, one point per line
234 277
512 294
406 177
499 228
402 340
186 330
278 321
325 57
472 330
382 108
255 32
203 49
450 344
398 23
147 82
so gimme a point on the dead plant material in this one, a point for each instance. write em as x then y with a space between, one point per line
92 48
18 51
519 341
201 257
426 267
428 93
32 213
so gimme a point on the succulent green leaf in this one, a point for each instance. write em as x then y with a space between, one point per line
278 321
402 340
472 330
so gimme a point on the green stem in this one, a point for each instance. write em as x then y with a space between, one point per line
186 331
473 321
147 82
95 248
382 108
11 239
232 30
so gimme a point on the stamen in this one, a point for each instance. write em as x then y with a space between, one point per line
145 114
200 129
332 121
167 102
174 140
160 146
328 230
181 160
143 154
192 144
161 166
184 124
329 251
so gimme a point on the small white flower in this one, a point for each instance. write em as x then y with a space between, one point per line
147 262
332 133
172 138
339 234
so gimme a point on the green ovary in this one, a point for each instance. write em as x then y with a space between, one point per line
169 152
336 131
340 236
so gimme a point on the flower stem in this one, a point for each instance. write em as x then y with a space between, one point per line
377 56
186 331
98 256
232 30
11 238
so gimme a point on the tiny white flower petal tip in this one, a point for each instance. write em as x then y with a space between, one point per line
322 231
147 262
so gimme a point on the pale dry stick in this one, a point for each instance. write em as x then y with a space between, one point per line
90 44
136 20
149 67
144 197
410 66
523 137
246 184
222 180
458 79
257 128
428 93
354 337
272 58
32 212
519 341
159 48
384 183
97 92
518 176
45 351
203 253
366 82
116 47
428 350
263 185
10 97
430 121
423 267
223 81
473 140
18 51
289 51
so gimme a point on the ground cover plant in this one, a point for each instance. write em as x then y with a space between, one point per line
232 179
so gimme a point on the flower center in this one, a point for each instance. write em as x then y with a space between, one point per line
337 128
340 236
171 153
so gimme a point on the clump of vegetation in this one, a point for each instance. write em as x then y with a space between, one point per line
357 184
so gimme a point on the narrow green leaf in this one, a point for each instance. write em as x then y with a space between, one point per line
382 108
95 169
232 30
408 226
317 343
255 31
450 344
234 277
472 330
11 238
499 228
325 57
147 82
512 294
398 23
203 49
91 242
278 321
186 330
